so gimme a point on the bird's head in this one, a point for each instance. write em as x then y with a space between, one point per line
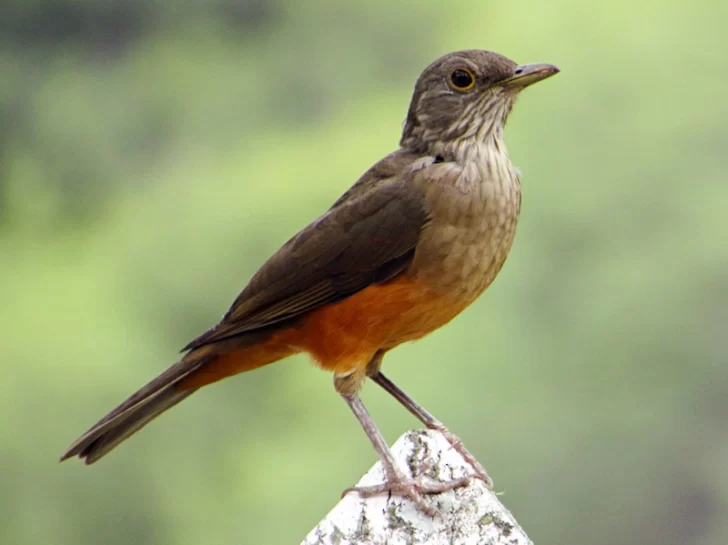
466 95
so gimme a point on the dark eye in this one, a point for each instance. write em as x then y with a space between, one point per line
462 79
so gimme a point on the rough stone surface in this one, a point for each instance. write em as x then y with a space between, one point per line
467 516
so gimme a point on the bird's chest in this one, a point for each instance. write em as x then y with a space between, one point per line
474 211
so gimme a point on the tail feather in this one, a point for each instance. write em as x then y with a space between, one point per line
137 411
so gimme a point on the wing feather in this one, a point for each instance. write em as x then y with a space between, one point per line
365 239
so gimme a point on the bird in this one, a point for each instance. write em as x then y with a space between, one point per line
416 240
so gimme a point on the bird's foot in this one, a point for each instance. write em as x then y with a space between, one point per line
414 489
457 444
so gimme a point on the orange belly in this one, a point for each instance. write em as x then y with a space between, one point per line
344 336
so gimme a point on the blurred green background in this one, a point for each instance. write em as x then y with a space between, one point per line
154 153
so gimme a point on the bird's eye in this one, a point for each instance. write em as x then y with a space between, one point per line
462 79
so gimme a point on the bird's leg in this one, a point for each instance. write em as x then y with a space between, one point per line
373 371
395 480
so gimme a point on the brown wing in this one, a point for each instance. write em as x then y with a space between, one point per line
362 240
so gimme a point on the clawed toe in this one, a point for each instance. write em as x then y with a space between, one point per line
414 489
457 444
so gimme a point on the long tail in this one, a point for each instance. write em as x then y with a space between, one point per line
138 410
203 365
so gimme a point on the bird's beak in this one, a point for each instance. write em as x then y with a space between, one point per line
527 74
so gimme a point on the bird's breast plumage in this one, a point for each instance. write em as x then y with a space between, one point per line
474 205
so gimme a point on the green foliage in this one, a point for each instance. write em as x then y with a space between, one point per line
154 154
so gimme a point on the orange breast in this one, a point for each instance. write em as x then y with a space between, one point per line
346 335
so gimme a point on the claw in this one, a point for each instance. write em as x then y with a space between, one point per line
413 489
457 444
